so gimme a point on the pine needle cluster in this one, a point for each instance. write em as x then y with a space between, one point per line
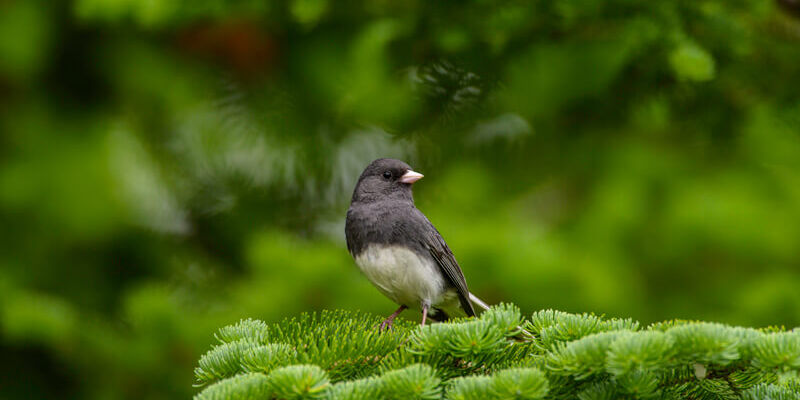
499 355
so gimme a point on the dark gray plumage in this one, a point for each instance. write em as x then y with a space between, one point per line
398 248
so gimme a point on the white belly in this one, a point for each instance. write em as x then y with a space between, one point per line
403 276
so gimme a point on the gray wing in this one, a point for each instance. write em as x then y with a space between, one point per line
432 240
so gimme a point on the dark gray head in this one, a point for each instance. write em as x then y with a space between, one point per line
385 179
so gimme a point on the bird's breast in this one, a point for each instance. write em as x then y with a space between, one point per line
401 274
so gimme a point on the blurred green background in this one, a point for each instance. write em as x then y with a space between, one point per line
167 167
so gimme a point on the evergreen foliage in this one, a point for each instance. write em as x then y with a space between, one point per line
168 167
558 355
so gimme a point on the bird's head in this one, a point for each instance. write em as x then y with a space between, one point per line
385 179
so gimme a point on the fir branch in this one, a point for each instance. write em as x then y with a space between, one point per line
343 355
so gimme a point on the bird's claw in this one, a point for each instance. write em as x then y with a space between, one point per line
386 324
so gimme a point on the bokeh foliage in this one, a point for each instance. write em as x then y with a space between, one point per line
169 167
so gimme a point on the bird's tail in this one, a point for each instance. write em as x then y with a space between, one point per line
482 304
478 301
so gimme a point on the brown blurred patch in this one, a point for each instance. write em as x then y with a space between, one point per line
790 6
237 44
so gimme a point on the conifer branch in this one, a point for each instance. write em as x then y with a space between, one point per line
342 355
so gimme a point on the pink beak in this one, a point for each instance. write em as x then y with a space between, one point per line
411 177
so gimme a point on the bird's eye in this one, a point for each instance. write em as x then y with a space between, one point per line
387 174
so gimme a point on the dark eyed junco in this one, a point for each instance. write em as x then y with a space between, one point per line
399 250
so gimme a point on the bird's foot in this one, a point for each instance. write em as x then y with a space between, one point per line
388 322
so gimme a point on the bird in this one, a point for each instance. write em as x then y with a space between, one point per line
399 250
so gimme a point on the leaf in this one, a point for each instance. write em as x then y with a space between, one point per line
241 387
519 383
299 382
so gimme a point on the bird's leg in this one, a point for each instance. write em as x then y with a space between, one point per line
424 313
387 324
